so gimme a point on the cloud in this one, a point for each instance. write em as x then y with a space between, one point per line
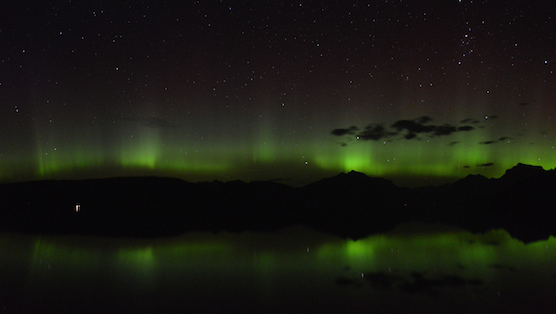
470 120
351 130
414 126
488 164
445 129
375 132
487 142
421 126
466 128
500 139
406 129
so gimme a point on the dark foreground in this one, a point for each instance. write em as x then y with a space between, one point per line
349 205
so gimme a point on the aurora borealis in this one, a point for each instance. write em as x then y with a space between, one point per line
443 269
413 91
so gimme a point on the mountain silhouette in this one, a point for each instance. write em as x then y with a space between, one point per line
524 172
350 205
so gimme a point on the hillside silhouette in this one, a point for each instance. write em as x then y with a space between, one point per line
349 205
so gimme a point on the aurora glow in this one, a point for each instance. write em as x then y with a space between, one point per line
252 91
397 251
292 268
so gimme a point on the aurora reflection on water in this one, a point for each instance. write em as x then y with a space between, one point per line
294 269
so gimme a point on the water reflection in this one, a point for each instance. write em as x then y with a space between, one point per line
294 269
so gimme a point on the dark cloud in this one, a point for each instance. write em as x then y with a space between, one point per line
466 166
466 128
412 126
470 120
420 126
375 132
488 164
406 129
487 142
350 131
445 129
453 143
501 139
522 104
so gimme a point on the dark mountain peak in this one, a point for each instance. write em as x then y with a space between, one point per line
525 166
523 172
352 176
469 184
355 175
475 178
352 180
349 204
472 180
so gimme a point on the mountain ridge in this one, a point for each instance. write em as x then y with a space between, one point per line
349 204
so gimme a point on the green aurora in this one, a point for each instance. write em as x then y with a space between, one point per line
144 150
237 91
295 267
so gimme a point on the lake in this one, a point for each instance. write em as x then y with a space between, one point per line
414 268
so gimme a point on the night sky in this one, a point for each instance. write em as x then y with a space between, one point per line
415 91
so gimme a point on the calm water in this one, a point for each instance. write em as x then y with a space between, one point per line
414 268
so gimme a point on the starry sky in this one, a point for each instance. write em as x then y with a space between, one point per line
419 92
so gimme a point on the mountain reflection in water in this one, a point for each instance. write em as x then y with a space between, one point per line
414 268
